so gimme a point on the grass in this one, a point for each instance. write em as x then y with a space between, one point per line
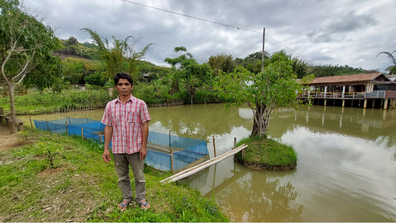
63 178
41 103
267 152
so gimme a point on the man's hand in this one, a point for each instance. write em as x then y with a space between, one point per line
143 152
106 155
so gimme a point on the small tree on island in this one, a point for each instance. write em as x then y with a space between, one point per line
277 86
25 51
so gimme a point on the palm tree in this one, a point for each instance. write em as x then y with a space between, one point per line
120 51
392 68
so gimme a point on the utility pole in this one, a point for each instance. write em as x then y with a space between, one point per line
262 62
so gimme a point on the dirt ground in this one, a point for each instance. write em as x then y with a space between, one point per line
8 140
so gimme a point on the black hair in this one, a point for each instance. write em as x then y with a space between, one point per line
122 75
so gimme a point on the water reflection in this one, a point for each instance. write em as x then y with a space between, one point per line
346 161
258 197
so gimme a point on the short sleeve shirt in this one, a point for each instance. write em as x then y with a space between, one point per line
126 120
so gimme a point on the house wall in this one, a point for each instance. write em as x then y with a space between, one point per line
386 87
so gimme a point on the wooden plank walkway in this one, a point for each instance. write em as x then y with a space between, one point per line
195 169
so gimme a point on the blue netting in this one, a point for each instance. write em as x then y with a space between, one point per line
185 150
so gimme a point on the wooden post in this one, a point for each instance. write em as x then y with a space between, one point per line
171 151
234 148
30 118
48 125
82 133
100 138
171 156
343 103
365 103
67 132
385 104
214 146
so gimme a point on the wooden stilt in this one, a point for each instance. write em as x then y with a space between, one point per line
67 133
82 133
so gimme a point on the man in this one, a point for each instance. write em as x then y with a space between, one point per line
126 119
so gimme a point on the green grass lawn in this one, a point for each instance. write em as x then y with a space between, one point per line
267 153
62 178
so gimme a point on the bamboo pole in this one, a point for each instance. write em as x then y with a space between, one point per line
82 133
30 118
100 139
204 165
66 129
214 146
193 170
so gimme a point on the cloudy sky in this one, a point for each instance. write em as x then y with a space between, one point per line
343 32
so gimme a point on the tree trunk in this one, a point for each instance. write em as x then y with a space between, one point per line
12 107
261 120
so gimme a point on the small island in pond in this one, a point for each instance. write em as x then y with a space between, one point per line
266 154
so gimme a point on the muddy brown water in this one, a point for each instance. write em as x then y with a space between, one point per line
346 168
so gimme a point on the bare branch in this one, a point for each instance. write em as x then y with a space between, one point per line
24 68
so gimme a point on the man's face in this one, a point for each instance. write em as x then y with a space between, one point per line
124 88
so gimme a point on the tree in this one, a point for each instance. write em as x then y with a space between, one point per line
222 62
121 51
391 69
276 87
191 73
25 47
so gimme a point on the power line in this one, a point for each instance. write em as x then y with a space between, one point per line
205 20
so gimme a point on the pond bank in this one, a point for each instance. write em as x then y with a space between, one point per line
63 178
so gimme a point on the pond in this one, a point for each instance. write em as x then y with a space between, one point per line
346 168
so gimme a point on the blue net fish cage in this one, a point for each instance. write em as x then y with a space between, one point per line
162 150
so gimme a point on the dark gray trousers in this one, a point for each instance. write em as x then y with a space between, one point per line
122 162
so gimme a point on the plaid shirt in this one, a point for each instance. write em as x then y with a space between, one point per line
126 120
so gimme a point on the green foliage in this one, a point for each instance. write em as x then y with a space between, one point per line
253 61
71 47
96 79
222 62
191 74
276 87
25 50
331 70
117 53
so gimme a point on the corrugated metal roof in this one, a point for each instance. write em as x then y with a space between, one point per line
345 79
391 77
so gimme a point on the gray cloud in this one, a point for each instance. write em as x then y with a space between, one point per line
350 22
323 32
